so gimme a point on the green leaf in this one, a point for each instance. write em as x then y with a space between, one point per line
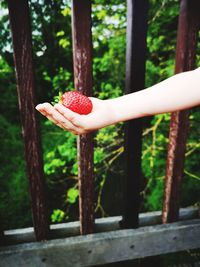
60 33
57 216
72 195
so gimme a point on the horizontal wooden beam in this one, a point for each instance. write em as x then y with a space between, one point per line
107 247
63 230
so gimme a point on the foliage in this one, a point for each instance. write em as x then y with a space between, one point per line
57 216
14 206
52 50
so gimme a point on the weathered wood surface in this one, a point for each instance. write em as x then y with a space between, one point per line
137 11
101 225
82 57
101 248
22 44
188 27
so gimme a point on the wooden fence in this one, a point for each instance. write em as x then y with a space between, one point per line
113 244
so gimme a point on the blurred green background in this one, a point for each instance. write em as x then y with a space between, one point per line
52 45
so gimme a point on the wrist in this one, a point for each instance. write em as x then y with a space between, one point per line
113 111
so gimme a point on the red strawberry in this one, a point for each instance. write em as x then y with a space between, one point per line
77 102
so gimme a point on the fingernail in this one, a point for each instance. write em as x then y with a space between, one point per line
37 107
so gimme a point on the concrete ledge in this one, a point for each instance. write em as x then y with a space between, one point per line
63 230
101 248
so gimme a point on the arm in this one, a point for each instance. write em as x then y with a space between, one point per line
179 92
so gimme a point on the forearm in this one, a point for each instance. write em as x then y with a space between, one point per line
179 92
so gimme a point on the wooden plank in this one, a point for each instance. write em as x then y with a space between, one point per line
101 225
135 80
102 248
188 27
82 57
21 36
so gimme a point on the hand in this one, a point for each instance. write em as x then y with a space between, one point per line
63 117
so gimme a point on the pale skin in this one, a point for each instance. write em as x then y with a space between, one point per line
181 91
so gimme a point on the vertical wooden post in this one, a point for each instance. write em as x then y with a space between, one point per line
82 57
21 36
137 11
188 26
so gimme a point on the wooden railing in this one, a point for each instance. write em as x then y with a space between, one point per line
82 47
137 11
22 45
188 27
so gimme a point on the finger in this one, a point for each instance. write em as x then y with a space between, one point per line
64 125
71 116
40 108
51 113
56 117
46 109
49 117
